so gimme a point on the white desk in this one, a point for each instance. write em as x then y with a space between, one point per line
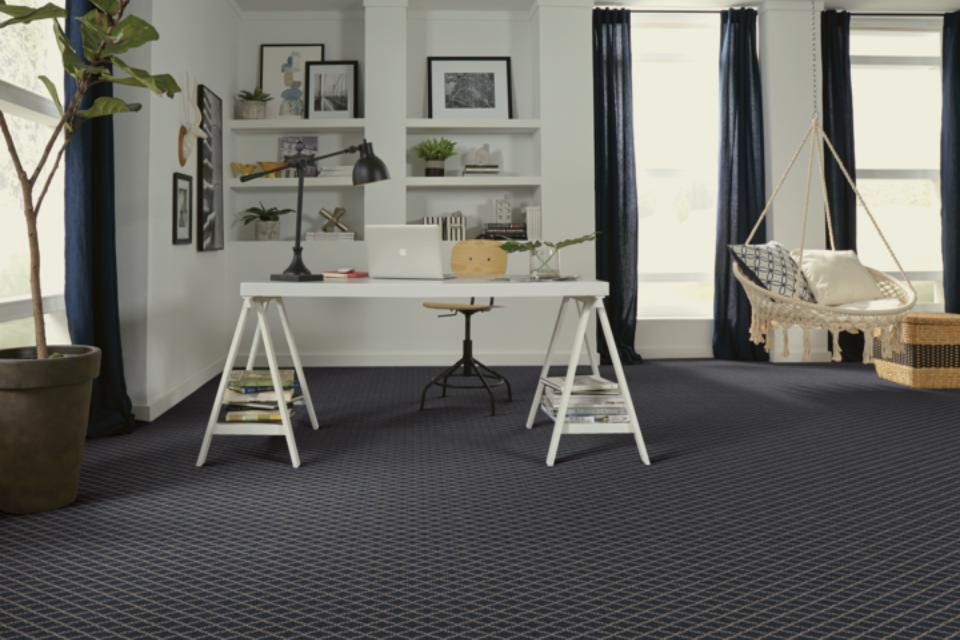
585 295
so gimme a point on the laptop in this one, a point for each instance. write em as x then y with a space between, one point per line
409 251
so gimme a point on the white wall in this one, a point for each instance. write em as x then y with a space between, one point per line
173 302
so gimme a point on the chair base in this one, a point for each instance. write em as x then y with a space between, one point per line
470 369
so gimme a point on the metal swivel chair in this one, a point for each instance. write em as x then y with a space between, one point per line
471 259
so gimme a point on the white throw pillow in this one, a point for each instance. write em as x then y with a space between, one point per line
837 277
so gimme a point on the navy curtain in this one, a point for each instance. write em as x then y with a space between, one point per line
838 125
615 177
91 262
741 188
950 162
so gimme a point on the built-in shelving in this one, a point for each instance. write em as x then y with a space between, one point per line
427 125
473 182
291 184
297 125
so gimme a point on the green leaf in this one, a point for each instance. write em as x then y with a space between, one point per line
72 62
52 88
512 246
107 106
93 34
162 84
111 7
130 33
572 241
24 15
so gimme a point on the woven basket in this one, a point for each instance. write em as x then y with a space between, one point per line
930 353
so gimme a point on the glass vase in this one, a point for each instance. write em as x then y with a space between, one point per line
544 263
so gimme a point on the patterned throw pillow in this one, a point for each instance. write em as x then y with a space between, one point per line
771 267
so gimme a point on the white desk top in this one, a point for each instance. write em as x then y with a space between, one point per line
462 288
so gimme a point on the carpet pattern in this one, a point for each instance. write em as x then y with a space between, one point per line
801 501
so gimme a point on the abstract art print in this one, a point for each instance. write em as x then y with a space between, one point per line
182 209
210 172
332 89
469 87
282 68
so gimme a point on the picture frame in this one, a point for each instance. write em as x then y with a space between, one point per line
332 89
210 214
182 208
288 147
469 87
282 75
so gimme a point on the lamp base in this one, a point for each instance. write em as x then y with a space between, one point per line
296 277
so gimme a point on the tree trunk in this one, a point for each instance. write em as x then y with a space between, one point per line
39 324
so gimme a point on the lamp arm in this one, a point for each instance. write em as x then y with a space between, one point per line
260 174
289 165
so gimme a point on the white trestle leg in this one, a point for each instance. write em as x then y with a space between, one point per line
545 370
297 364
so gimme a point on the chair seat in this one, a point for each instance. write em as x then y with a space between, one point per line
454 306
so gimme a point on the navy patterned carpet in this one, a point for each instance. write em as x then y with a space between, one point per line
803 501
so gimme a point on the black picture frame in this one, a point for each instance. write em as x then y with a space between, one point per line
178 180
504 59
210 213
353 64
317 52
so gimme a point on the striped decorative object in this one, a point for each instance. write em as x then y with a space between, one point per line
930 355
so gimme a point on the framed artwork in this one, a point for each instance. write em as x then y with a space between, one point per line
332 89
469 87
210 172
182 209
288 147
282 76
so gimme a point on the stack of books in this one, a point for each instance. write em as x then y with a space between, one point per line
505 230
250 396
349 236
593 400
481 169
337 171
452 227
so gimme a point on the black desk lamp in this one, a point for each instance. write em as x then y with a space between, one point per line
368 168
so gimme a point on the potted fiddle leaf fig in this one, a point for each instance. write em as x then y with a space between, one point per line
267 219
252 105
44 389
434 153
545 255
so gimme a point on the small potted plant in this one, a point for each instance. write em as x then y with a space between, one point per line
434 152
267 219
252 105
545 256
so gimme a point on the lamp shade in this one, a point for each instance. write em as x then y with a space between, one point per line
369 168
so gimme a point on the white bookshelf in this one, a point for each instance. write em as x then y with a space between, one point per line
474 182
290 184
281 126
430 125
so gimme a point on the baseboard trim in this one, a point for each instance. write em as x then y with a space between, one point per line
651 352
157 407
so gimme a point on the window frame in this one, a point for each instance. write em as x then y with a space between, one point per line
900 23
26 104
690 20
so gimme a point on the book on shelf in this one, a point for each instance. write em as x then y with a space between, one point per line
258 380
330 236
453 227
340 275
583 384
534 221
254 415
504 225
573 418
586 404
336 171
263 397
481 169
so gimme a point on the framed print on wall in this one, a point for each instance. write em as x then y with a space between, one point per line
332 89
479 87
282 76
210 172
182 209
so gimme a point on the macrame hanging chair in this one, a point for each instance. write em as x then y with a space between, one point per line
770 310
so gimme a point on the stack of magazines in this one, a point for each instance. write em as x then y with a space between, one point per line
250 396
593 400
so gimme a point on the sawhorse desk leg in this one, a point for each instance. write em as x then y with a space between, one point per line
261 333
585 308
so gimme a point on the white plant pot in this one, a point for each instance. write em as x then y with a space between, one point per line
268 230
251 110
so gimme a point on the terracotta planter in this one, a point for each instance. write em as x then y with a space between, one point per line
44 409
433 168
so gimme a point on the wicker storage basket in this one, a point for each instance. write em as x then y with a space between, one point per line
930 355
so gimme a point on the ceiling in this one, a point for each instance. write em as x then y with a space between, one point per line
340 5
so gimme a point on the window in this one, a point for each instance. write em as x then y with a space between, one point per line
897 98
676 128
27 51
